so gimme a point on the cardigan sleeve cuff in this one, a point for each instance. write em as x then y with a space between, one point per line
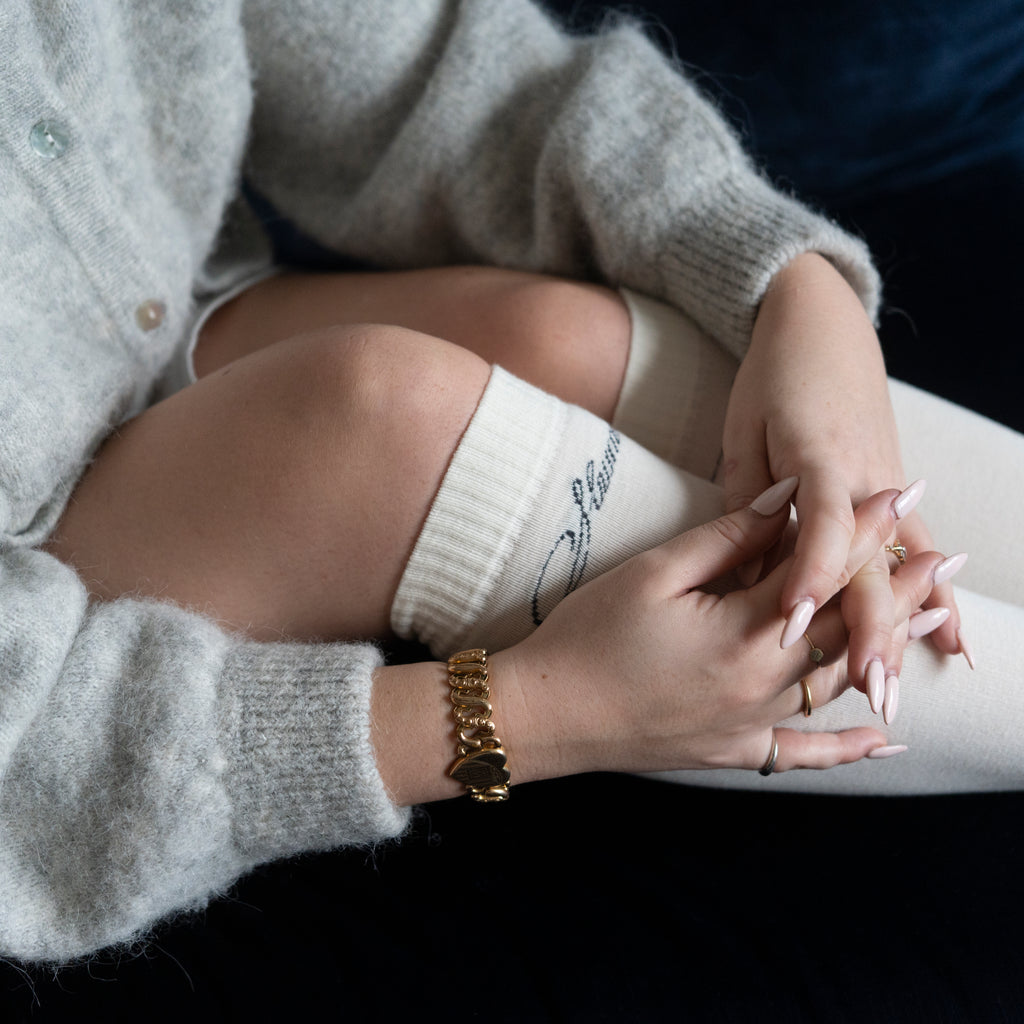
301 770
750 235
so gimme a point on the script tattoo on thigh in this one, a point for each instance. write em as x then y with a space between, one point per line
567 559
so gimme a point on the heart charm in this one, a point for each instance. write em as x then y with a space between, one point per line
481 769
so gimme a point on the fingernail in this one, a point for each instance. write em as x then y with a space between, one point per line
876 685
949 568
748 572
892 698
879 752
769 502
923 623
797 623
965 647
906 502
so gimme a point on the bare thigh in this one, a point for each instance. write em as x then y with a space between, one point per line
567 337
283 492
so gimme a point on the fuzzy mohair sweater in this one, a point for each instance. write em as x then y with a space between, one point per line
147 758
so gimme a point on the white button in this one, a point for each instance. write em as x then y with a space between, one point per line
49 139
150 314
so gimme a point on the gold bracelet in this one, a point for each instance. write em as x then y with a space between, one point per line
481 762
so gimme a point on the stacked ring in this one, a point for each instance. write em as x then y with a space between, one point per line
808 703
899 550
769 766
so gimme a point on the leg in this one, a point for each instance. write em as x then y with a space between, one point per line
566 337
282 494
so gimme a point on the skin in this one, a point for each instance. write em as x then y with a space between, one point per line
318 434
789 415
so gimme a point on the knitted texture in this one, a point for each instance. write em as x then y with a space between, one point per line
146 758
539 498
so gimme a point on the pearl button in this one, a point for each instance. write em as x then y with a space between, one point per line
150 315
49 139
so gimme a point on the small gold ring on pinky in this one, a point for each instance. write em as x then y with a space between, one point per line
816 652
896 548
808 703
769 766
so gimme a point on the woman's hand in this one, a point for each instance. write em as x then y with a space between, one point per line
639 670
811 399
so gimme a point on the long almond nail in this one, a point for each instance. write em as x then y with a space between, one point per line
906 502
892 698
797 623
879 752
949 568
924 623
876 684
965 647
777 496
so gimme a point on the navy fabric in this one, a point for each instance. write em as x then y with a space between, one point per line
854 97
904 119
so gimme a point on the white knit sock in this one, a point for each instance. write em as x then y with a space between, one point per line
540 497
676 387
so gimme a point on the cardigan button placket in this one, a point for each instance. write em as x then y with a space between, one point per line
49 139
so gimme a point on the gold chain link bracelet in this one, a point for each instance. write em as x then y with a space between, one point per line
481 762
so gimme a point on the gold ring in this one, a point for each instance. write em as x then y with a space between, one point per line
808 703
769 766
896 548
816 652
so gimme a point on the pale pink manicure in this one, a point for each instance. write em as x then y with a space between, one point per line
906 502
965 647
879 752
769 502
797 623
892 698
876 684
924 623
949 568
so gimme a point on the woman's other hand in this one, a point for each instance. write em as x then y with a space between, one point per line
640 670
811 400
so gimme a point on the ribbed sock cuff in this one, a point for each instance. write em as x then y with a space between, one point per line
480 510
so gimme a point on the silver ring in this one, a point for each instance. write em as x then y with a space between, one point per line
769 766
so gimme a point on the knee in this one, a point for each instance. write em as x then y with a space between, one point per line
569 337
392 396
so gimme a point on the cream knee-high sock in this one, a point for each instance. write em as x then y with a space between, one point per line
676 387
540 496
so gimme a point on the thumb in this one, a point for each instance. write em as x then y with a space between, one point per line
712 549
745 478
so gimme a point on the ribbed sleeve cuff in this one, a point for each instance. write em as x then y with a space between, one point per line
301 771
479 512
752 232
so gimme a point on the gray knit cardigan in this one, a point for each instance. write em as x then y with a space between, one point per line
147 759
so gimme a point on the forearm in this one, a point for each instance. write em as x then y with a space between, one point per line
148 759
582 156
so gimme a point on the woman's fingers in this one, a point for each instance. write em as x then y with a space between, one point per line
827 528
948 638
821 750
869 611
835 543
713 549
